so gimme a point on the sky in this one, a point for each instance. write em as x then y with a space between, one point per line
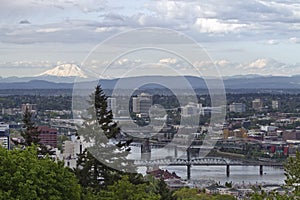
235 37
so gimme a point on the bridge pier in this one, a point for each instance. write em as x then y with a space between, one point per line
146 150
175 152
188 171
188 155
261 170
227 170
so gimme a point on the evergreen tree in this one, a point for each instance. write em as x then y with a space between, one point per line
124 189
31 132
292 173
164 191
100 128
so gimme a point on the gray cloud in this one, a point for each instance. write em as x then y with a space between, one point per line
225 20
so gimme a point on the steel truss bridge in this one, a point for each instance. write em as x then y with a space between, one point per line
205 161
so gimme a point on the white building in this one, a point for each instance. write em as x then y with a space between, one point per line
275 105
4 136
191 109
268 128
112 104
142 103
71 149
237 107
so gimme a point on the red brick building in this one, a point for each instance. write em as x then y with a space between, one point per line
48 136
291 135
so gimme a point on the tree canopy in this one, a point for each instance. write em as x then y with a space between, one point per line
97 167
124 189
25 176
292 173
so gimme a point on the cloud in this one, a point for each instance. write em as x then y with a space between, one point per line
294 40
48 30
222 20
206 25
222 62
71 31
258 64
168 61
26 63
103 29
267 66
272 42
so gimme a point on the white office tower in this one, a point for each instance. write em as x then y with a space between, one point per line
112 104
142 103
4 136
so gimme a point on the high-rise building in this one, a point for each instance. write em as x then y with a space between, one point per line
237 107
275 105
142 103
30 107
257 104
4 136
112 104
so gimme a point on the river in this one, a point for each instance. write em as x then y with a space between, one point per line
238 174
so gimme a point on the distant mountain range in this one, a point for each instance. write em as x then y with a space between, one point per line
242 82
63 77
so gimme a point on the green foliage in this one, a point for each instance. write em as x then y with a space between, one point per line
228 184
124 189
24 176
292 173
31 133
99 127
186 194
103 116
91 173
194 194
271 196
223 197
159 187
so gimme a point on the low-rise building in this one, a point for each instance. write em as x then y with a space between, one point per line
237 107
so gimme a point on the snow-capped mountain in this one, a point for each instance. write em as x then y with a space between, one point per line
65 70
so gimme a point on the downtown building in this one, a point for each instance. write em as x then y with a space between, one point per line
141 104
257 105
237 107
112 104
4 136
48 136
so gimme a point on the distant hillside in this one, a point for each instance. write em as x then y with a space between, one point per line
243 82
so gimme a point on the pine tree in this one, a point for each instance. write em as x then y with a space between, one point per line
99 128
31 132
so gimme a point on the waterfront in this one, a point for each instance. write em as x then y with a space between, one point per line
241 175
238 174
